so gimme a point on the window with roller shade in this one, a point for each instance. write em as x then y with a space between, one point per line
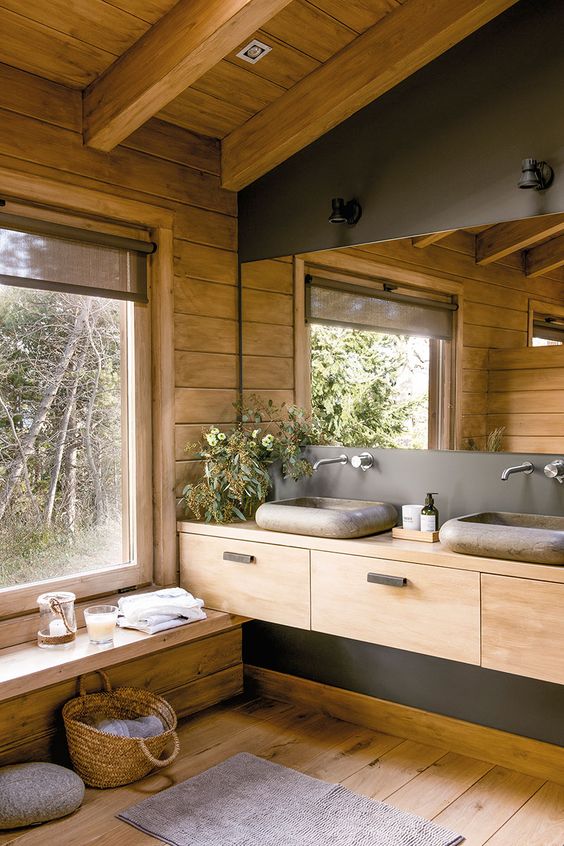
381 363
69 333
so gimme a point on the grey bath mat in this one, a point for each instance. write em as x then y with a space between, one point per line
246 801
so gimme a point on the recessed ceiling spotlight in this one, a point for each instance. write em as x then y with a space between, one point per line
254 51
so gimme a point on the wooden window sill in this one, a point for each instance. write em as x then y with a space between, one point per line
26 667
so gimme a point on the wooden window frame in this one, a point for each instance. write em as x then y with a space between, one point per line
341 267
154 385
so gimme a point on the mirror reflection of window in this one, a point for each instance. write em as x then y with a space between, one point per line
546 324
380 364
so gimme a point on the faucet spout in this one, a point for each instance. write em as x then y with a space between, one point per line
526 467
340 459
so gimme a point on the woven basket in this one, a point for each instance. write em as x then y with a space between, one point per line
106 760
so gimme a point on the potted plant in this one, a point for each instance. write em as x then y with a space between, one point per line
236 480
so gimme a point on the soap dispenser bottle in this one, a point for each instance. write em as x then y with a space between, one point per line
430 514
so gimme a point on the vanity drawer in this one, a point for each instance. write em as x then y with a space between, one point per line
259 580
523 627
436 611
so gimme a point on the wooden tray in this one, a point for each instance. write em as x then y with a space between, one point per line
411 534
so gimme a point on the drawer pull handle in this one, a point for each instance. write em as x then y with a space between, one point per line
383 579
238 557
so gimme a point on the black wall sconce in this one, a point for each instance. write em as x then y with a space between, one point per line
535 174
342 212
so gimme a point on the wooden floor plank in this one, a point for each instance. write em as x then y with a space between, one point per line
488 804
464 794
394 769
440 784
363 748
540 822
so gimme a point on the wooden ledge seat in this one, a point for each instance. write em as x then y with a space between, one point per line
26 667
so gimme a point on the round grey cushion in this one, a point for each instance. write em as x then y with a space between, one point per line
35 793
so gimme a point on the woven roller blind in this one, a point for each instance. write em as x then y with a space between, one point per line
58 259
341 304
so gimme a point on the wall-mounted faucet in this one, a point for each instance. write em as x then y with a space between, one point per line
526 467
555 470
340 459
365 461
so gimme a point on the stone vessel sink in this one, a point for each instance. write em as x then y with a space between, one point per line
325 517
498 534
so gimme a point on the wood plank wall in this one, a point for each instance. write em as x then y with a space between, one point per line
268 334
40 133
526 396
496 299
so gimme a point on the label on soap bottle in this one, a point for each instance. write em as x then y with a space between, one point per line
428 523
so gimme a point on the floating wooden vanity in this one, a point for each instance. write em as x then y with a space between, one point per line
503 615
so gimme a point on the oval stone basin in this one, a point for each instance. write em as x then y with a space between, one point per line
502 534
326 517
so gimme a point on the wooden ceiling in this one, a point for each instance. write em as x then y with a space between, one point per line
134 59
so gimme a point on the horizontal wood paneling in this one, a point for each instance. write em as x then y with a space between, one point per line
33 141
204 299
525 397
199 405
264 306
205 334
193 261
184 675
263 371
267 339
205 370
268 276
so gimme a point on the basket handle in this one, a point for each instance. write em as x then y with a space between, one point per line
103 676
157 762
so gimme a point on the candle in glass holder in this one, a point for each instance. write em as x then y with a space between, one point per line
101 623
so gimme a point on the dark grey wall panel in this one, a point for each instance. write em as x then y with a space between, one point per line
510 703
441 150
466 481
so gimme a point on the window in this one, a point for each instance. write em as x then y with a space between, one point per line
381 361
73 384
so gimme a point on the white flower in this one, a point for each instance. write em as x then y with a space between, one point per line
268 441
214 431
211 438
255 432
221 436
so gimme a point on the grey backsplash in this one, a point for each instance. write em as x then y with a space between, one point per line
465 481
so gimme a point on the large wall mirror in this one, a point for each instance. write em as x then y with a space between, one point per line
453 340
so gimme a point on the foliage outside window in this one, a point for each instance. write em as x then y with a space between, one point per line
370 388
63 461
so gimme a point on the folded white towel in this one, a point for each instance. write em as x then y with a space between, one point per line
162 622
172 602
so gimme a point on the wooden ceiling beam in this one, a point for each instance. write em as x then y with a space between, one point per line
544 258
498 241
405 40
422 241
180 48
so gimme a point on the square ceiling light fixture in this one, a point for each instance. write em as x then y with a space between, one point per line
254 51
